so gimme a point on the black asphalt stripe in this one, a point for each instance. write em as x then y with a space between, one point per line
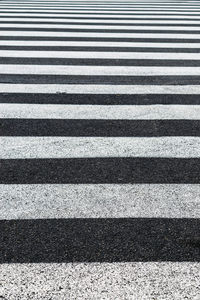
166 31
106 80
113 170
97 9
99 39
98 127
99 99
100 240
110 49
99 62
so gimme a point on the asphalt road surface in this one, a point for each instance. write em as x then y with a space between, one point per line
99 150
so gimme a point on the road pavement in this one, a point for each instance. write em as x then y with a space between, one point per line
99 150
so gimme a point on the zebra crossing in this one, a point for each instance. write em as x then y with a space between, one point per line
99 149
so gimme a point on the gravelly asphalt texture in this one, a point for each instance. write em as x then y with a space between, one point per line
99 150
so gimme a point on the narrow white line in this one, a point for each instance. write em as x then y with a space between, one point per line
94 6
85 147
100 89
106 27
171 16
99 1
97 70
97 55
95 201
49 5
121 10
113 21
110 2
97 7
113 112
98 34
101 11
98 44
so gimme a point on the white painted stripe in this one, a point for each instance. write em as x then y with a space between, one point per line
98 70
99 44
130 280
119 3
99 34
35 201
110 2
105 9
82 147
148 22
90 7
101 11
171 16
113 112
97 7
57 26
129 11
99 89
96 54
94 6
101 2
106 3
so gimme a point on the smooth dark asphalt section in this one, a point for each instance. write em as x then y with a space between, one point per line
99 240
103 30
93 23
100 79
99 127
99 99
100 170
94 62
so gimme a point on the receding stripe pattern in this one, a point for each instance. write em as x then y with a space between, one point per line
100 131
